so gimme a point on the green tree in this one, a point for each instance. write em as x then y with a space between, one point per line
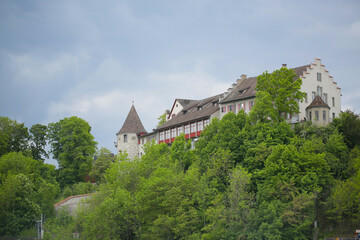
282 94
18 205
73 146
102 162
38 141
161 119
40 176
348 124
13 136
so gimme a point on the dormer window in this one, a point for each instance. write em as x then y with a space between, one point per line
242 91
199 108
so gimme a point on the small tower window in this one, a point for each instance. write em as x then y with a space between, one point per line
319 77
125 138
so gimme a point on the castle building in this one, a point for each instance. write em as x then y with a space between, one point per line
316 81
189 117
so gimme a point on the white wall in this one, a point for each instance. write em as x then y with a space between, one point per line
131 146
310 84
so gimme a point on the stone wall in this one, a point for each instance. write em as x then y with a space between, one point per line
72 203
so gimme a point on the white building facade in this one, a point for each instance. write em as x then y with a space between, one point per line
321 105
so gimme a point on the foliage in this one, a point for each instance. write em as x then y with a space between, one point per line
73 147
78 189
161 119
101 163
278 94
348 124
27 188
18 204
40 174
249 177
38 141
13 136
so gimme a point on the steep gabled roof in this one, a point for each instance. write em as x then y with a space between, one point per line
132 123
317 102
246 88
192 111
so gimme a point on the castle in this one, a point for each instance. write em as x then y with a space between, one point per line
322 103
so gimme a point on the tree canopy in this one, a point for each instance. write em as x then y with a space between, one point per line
278 93
73 146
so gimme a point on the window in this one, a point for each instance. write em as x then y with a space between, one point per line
162 136
313 94
316 115
187 129
200 126
125 138
333 101
325 98
167 134
324 115
206 122
310 116
142 141
231 108
242 91
306 98
242 106
193 127
333 115
223 109
179 130
319 77
319 91
173 132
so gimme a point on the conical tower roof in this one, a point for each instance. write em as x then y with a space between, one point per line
132 123
317 102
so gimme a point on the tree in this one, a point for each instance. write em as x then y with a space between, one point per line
38 142
161 119
27 188
348 124
13 136
102 162
282 93
18 205
73 147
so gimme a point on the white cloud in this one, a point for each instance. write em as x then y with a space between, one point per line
193 84
34 69
355 28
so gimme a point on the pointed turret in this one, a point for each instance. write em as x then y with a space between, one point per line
128 136
132 123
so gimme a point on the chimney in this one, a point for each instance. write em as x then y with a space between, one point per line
284 65
167 114
243 76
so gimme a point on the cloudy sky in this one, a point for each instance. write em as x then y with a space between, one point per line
91 59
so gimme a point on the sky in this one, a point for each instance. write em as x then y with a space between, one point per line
92 59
